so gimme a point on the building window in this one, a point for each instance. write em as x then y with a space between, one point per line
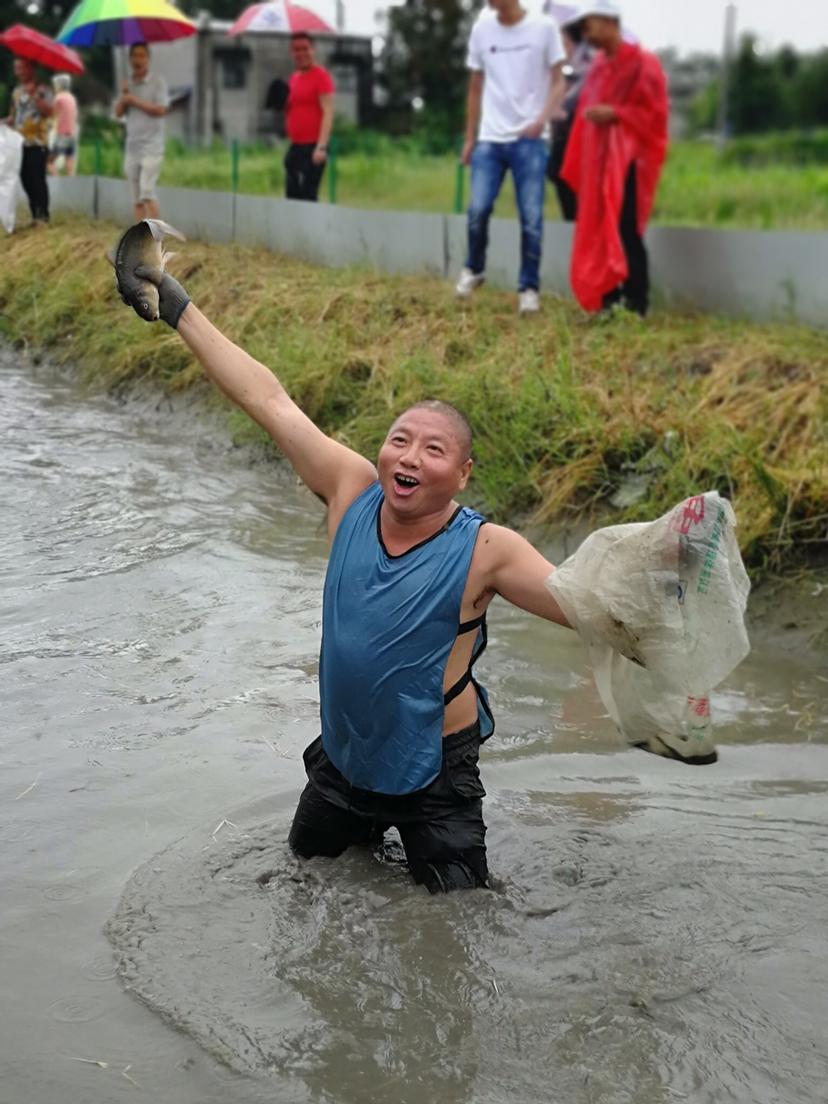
345 79
234 70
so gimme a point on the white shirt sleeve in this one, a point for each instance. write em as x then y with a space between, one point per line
554 46
161 95
474 58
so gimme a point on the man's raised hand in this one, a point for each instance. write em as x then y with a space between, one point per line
172 298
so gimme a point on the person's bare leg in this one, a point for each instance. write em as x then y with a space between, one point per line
152 209
140 213
71 166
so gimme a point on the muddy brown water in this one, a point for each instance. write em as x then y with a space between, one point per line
654 933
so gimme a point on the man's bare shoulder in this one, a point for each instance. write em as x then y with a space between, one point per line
507 564
498 540
496 544
360 474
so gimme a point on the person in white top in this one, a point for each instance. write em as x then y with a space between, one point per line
143 105
515 87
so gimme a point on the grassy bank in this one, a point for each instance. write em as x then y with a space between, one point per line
699 187
567 410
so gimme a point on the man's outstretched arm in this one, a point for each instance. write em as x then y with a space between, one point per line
518 572
332 471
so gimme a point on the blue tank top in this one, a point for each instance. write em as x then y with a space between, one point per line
388 626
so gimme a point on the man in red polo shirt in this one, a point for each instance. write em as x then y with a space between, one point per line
310 110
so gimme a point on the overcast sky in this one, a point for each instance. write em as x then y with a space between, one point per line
695 25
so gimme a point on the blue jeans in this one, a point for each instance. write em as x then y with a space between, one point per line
527 158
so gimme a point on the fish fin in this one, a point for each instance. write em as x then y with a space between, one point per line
153 273
160 229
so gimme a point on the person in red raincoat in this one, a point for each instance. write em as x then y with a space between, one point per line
613 162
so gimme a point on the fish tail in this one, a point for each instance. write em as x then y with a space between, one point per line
160 229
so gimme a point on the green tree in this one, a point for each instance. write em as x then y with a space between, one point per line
704 109
423 64
780 91
754 91
10 13
43 15
810 96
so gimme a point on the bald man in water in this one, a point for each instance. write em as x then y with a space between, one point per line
410 577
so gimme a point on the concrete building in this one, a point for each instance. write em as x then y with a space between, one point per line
218 85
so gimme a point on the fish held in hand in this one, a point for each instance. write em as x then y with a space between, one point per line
141 246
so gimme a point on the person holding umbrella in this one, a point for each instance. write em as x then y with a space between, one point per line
143 103
31 109
310 112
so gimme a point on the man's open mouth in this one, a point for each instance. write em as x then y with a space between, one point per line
406 482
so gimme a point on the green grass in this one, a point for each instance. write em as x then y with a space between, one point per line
699 187
565 407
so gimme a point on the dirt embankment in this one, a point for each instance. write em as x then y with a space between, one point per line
577 421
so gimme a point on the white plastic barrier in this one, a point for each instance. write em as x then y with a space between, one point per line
759 274
73 193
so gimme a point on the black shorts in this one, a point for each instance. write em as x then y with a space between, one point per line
441 826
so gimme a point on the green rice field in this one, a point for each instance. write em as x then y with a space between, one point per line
699 186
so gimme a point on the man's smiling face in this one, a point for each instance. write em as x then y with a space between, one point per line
423 463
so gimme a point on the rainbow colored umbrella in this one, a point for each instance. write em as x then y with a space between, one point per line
279 15
39 48
122 22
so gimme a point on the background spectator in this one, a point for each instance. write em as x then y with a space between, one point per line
31 110
613 162
65 119
276 100
143 103
514 89
578 61
310 112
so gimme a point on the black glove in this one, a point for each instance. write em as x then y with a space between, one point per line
172 298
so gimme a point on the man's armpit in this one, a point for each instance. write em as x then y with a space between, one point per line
485 596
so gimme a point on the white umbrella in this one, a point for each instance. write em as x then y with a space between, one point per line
279 15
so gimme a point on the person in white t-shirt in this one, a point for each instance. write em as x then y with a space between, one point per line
515 87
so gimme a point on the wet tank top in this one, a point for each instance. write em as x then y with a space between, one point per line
388 626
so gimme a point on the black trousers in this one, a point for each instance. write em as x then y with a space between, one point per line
302 177
634 293
567 200
33 179
441 826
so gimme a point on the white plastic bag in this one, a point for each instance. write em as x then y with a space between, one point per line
11 156
660 606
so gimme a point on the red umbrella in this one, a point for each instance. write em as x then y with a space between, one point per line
26 43
279 15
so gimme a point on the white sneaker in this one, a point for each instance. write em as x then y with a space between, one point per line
467 282
528 301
